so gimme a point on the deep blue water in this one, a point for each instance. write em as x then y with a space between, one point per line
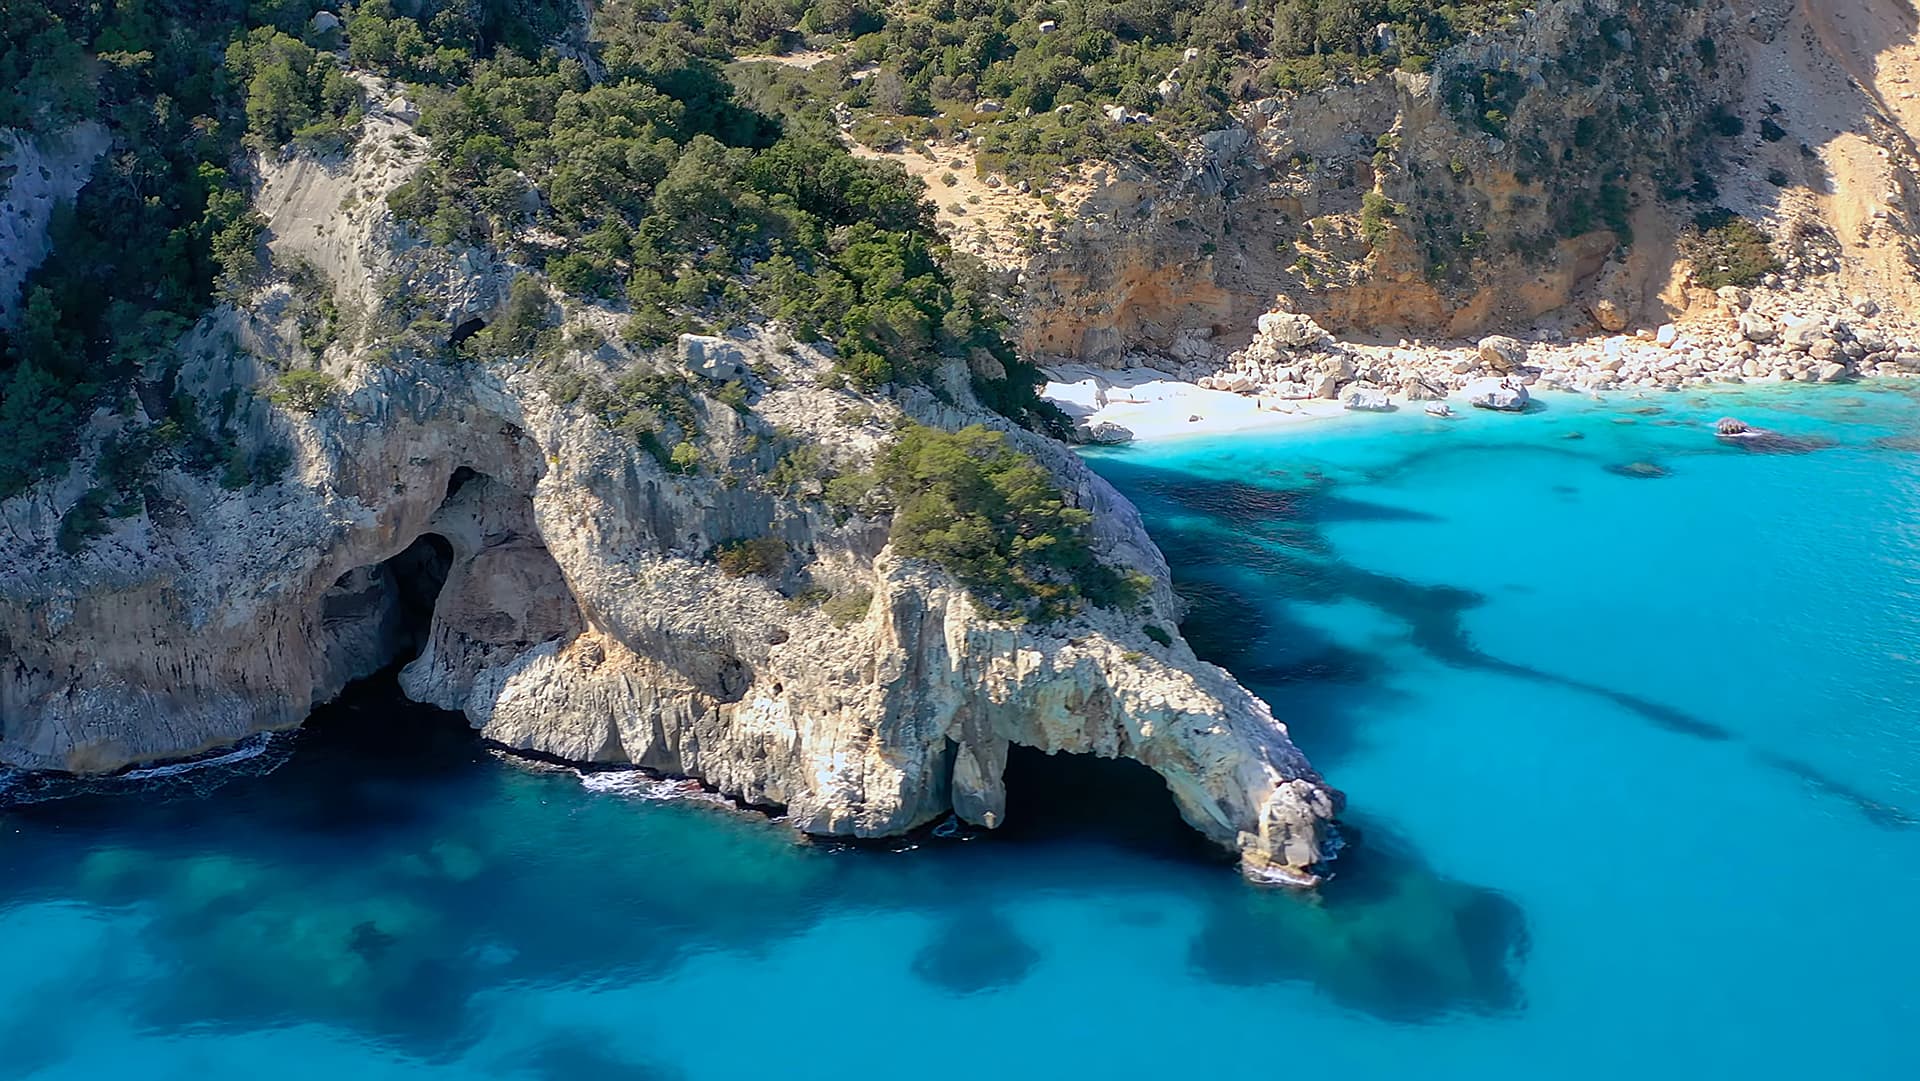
1633 768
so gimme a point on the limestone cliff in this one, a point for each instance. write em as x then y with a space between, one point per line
580 611
1545 169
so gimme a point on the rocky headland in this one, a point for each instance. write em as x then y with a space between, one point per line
543 571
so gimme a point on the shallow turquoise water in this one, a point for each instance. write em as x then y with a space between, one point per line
1633 769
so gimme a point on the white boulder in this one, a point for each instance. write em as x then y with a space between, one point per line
1192 343
1501 353
1757 328
1291 330
1800 334
1367 400
1501 395
1105 432
713 358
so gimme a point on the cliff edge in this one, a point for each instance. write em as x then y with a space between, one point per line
576 592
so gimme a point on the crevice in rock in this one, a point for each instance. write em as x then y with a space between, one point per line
460 478
380 614
417 575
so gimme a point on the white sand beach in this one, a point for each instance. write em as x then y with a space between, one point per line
1154 405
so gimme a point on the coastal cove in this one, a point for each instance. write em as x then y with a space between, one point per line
1631 759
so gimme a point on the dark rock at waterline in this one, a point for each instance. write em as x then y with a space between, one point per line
1762 441
1640 470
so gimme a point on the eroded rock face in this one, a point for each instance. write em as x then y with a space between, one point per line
1502 182
543 572
579 618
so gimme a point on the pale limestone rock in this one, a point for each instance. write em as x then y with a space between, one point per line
1500 395
1800 334
581 614
1610 314
1501 353
1757 328
38 175
1367 400
713 358
1418 389
1290 330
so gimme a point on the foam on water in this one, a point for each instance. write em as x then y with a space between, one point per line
256 754
642 784
1632 757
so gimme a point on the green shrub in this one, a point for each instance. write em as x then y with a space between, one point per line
292 89
992 517
845 609
85 520
733 395
1726 249
38 419
304 390
765 556
685 457
521 324
1158 634
1375 210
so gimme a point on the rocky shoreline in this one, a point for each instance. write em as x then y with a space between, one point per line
1294 368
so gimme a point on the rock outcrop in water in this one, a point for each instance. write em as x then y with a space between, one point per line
555 580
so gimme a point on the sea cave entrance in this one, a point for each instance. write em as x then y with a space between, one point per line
1086 798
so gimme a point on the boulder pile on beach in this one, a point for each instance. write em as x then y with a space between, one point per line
1749 338
1293 367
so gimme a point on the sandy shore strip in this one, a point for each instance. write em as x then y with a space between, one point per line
1151 404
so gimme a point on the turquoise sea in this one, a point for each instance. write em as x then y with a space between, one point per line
1632 763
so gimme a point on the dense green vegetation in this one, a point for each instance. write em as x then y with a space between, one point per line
659 187
991 516
162 223
1049 68
1726 249
650 182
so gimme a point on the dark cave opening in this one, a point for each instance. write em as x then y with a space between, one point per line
1083 797
464 331
418 573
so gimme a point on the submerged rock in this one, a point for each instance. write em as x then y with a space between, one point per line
1738 433
1640 470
